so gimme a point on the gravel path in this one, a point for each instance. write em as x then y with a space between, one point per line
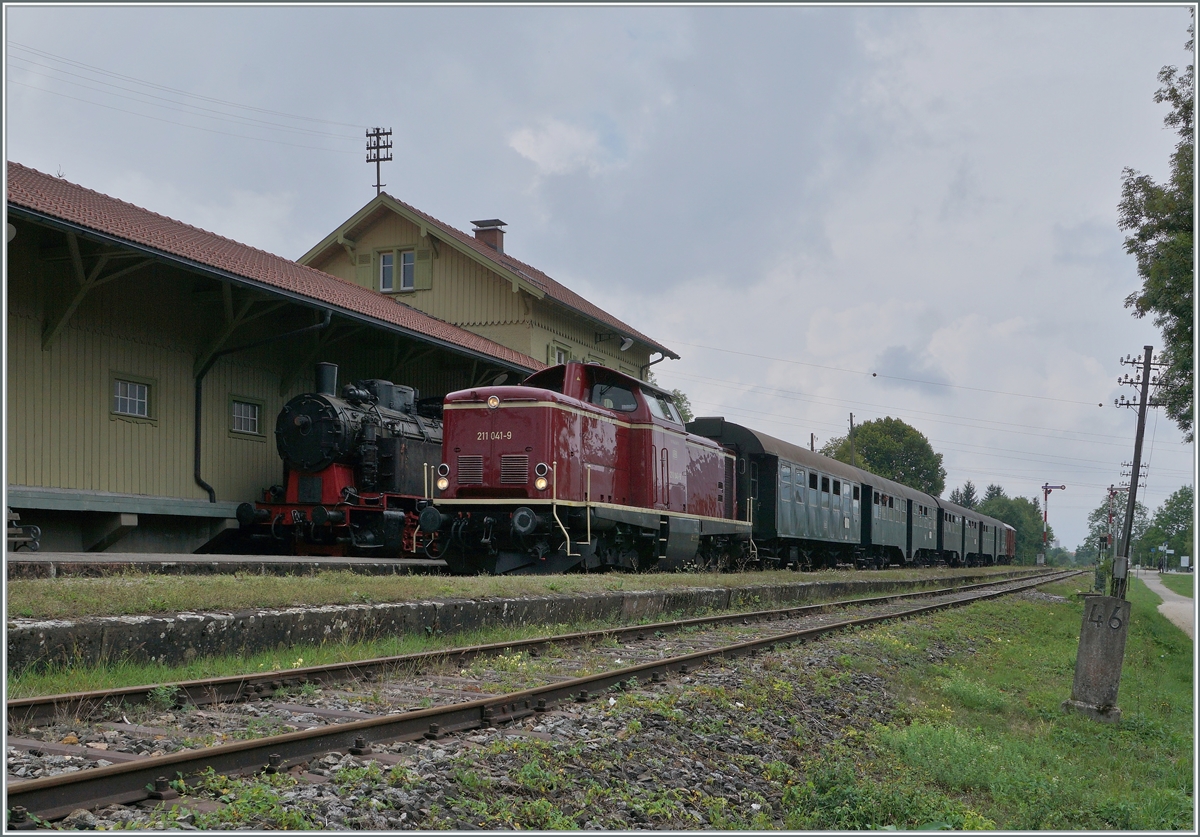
1179 609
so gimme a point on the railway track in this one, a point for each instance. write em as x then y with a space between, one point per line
662 650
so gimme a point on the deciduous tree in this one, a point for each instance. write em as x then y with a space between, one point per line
894 450
1025 516
1159 219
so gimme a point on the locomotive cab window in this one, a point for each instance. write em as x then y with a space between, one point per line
662 407
614 397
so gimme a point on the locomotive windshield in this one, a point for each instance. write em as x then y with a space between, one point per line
662 407
613 397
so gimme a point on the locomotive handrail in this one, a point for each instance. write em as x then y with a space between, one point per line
554 510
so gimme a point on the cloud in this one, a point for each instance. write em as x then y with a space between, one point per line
900 366
556 147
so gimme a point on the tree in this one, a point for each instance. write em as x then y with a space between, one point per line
993 491
893 450
1025 516
965 496
1159 217
683 404
1172 525
1098 525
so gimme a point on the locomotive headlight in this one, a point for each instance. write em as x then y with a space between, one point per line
540 483
493 402
442 483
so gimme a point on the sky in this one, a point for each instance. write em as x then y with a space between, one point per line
885 211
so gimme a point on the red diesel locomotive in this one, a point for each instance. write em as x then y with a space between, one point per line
579 467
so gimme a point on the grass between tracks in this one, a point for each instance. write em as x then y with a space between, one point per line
1184 584
975 739
983 738
143 593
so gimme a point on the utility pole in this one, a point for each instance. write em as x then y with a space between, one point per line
812 442
379 144
1046 489
1142 380
853 461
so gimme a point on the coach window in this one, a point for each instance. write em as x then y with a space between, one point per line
812 481
799 486
785 483
825 485
837 487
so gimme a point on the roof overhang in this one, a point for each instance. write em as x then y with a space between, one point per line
34 216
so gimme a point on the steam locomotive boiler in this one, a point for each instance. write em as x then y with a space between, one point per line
356 465
579 467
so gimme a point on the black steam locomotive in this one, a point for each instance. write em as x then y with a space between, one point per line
356 464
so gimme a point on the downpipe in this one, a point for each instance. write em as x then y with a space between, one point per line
212 494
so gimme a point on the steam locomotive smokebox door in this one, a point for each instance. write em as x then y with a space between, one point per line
401 464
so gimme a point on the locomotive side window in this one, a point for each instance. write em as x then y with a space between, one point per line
662 407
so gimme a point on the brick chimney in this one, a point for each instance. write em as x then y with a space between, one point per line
491 233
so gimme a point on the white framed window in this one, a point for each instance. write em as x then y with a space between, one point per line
407 270
131 398
558 354
387 271
245 417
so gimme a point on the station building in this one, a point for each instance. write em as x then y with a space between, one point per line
147 359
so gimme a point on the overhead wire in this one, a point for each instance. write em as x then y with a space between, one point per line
163 87
183 124
221 116
878 375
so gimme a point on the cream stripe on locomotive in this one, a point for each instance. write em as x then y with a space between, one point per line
579 504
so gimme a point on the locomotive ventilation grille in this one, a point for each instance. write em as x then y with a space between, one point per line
470 470
514 468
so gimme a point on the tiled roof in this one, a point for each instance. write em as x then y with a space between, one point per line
555 290
57 198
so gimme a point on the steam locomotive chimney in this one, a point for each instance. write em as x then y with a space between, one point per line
326 383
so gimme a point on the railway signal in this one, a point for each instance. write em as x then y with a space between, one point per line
1046 489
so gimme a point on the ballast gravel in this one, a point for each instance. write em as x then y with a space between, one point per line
715 749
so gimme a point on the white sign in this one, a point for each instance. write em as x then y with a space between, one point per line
1183 560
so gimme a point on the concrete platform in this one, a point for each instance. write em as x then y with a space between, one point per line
91 564
171 639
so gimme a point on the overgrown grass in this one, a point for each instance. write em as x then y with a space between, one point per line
1182 583
983 728
140 593
64 677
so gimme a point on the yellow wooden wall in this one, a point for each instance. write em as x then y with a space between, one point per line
473 297
61 433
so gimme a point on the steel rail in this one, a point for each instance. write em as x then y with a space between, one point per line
238 687
56 796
